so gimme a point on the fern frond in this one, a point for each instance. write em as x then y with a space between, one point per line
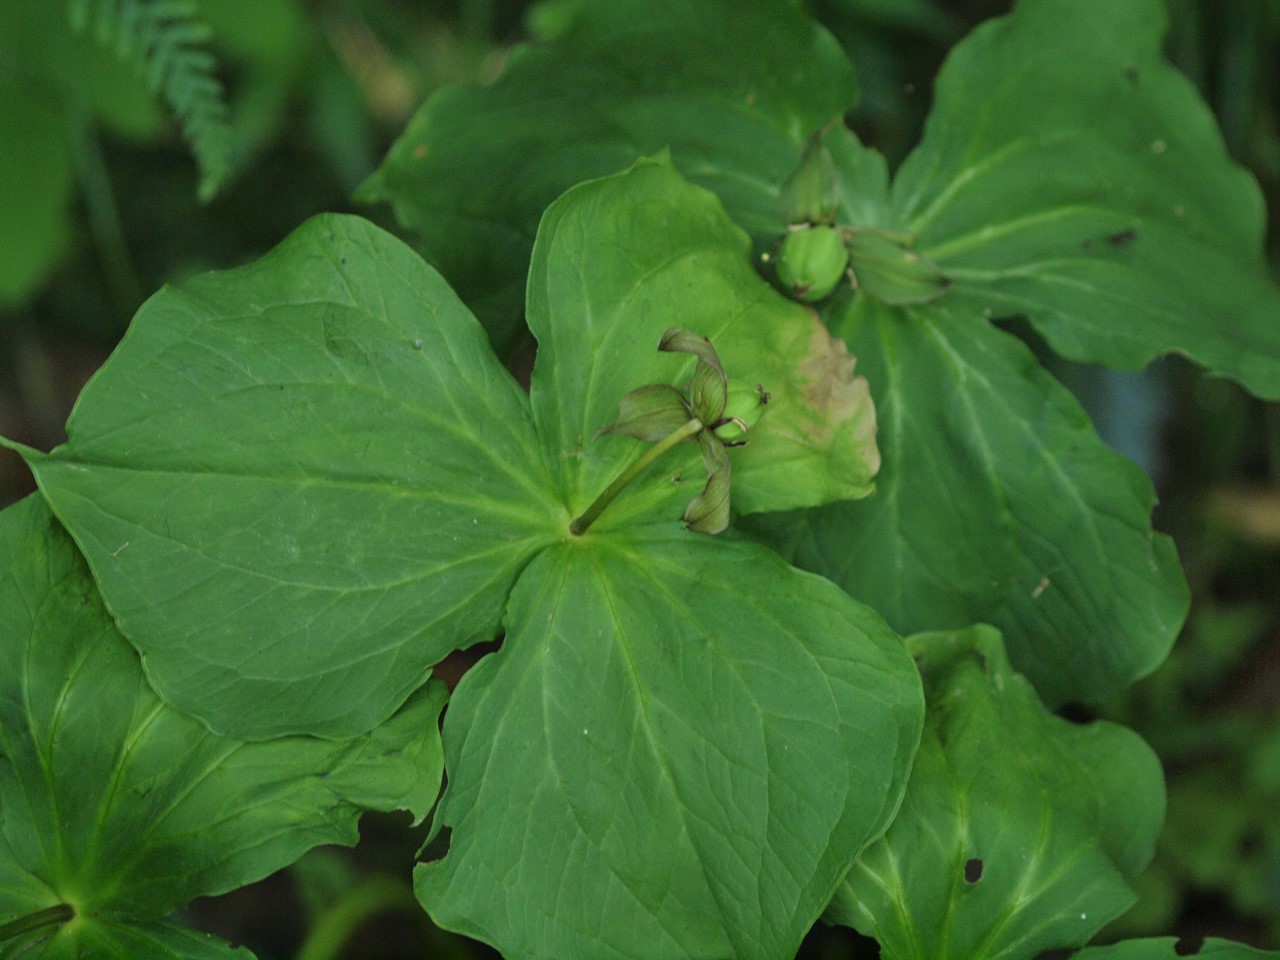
165 40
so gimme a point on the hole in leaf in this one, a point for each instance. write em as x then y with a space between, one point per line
973 870
1188 946
1077 713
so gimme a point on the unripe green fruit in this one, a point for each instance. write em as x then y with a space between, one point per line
746 402
812 261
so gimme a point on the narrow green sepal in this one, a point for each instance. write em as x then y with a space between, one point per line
889 270
679 340
709 391
812 193
650 413
708 512
812 262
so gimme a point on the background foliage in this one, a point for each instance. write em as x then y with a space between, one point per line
99 198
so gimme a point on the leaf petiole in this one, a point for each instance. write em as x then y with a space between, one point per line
591 514
35 921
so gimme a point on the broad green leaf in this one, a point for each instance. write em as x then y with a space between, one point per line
677 752
1019 831
125 941
1170 948
996 502
621 260
125 809
301 483
732 88
1090 191
35 191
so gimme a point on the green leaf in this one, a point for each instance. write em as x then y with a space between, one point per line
996 502
675 260
35 191
733 89
1019 831
1090 191
1169 948
301 483
125 809
119 941
676 753
86 79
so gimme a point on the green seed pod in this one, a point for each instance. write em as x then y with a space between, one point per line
742 412
812 261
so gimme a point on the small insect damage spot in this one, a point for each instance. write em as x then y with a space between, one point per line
973 870
1189 946
1122 238
1133 74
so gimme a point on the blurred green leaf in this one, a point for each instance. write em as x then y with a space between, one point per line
35 191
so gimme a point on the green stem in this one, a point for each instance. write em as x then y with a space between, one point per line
48 917
367 899
592 513
104 217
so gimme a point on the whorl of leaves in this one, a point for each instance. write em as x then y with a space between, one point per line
165 40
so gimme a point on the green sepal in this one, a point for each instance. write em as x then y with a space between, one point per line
709 389
887 268
650 413
678 340
812 262
708 512
812 193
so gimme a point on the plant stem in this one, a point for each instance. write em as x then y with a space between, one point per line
104 217
589 516
34 921
373 896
